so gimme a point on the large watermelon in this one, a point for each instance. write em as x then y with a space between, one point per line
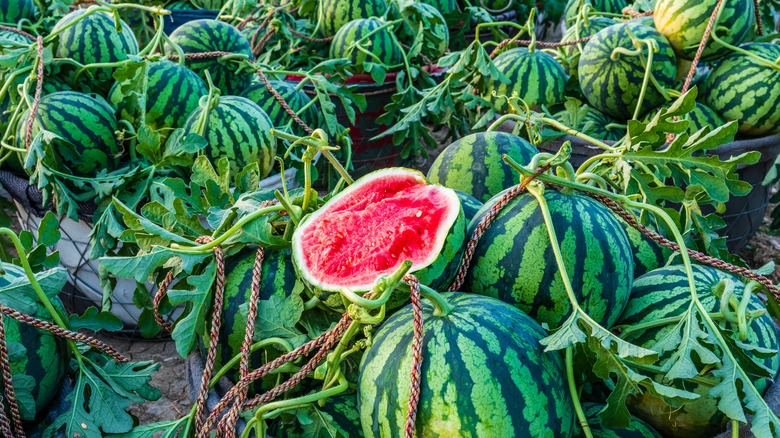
593 123
90 37
473 163
239 130
86 129
380 45
573 7
578 31
484 374
683 23
744 89
296 99
370 228
514 261
665 293
612 81
334 14
534 76
201 36
172 94
636 429
11 11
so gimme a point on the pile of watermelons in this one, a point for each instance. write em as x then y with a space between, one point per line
505 293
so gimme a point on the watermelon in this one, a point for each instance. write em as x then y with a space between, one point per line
334 14
11 11
683 23
613 84
343 410
445 7
239 130
369 229
665 293
702 116
172 94
86 129
514 261
744 89
648 254
484 374
636 429
296 99
533 75
573 7
380 44
15 37
578 31
593 123
92 37
34 353
201 36
473 163
470 204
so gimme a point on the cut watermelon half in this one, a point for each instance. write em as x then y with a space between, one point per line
373 226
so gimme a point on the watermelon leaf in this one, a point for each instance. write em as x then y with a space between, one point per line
95 320
197 300
278 317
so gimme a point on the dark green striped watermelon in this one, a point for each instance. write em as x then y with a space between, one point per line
664 293
744 89
88 37
701 116
593 123
86 129
446 7
573 7
613 85
335 14
683 23
343 410
15 37
636 429
372 227
484 374
201 36
296 99
534 76
470 205
238 130
172 94
11 11
648 254
380 45
578 31
473 163
514 261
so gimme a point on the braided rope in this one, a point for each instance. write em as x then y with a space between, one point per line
202 55
162 292
19 31
10 393
37 98
283 102
417 359
309 38
702 45
507 42
759 21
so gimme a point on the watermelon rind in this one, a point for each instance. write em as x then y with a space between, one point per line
380 44
534 76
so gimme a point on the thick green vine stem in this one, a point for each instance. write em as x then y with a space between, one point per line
383 289
317 142
575 394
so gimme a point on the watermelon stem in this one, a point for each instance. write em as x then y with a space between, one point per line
382 290
775 65
672 320
552 122
575 394
284 344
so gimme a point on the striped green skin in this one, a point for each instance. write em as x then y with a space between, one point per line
484 374
683 23
573 7
86 127
473 163
296 99
514 261
344 413
648 255
172 94
636 429
94 39
13 36
11 11
535 77
593 123
701 116
742 89
239 130
470 204
445 7
613 85
380 44
578 31
180 5
201 36
665 293
335 14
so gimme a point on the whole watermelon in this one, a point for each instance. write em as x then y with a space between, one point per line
296 99
534 76
579 31
470 205
636 429
683 23
648 254
473 163
334 14
202 36
85 127
664 293
612 81
11 11
381 46
744 89
573 7
446 7
593 123
484 374
514 261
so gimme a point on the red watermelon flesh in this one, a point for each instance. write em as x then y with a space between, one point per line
373 226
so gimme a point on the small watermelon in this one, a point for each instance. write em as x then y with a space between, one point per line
381 45
612 81
593 123
578 31
484 374
11 11
334 14
202 36
534 76
473 163
239 130
636 429
514 261
374 225
744 89
296 99
573 7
